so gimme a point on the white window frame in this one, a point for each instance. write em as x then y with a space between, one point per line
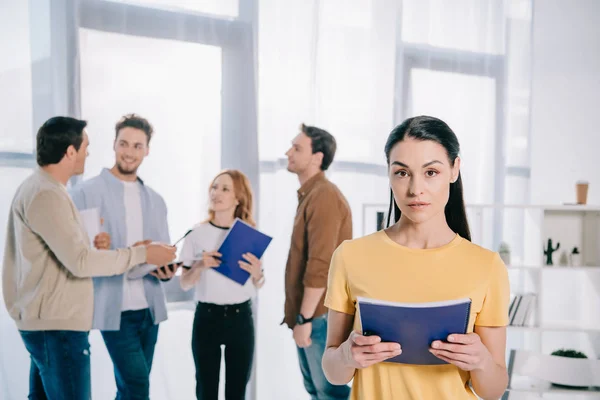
54 32
411 56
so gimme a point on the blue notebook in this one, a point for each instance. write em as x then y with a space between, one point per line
414 325
241 239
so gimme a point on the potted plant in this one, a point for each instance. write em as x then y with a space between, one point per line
504 252
569 353
575 257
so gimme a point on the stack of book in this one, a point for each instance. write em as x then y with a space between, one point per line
521 308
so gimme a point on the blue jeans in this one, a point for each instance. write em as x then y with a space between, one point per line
310 358
131 350
60 365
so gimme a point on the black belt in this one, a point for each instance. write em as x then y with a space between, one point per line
228 309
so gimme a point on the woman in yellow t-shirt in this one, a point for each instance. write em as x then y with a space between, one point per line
425 256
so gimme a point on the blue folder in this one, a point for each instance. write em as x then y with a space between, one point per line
414 325
241 239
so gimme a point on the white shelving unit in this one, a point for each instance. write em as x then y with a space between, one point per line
566 310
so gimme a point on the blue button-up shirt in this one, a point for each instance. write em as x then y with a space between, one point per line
106 192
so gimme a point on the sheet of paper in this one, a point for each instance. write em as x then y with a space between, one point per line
91 222
139 271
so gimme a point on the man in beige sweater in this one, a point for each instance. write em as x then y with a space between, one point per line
48 265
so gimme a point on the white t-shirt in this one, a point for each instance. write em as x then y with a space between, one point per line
213 287
134 295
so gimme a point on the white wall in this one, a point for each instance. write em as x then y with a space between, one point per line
565 139
565 100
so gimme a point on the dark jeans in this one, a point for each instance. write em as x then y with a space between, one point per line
233 327
310 358
131 349
60 365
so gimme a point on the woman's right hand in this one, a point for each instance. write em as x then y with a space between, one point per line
363 351
210 259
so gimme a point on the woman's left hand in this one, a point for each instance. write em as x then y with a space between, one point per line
467 352
252 266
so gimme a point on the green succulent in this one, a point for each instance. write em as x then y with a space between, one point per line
569 353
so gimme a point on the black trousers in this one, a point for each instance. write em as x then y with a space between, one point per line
233 327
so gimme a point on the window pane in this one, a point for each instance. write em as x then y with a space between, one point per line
14 362
470 25
340 75
15 78
180 96
516 189
227 8
518 87
467 104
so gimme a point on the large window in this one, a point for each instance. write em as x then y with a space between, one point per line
188 67
468 63
338 73
16 162
187 70
355 68
328 64
468 104
15 78
181 97
358 68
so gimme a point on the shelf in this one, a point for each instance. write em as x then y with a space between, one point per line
553 207
555 328
548 388
560 303
561 268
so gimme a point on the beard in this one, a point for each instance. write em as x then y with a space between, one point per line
126 171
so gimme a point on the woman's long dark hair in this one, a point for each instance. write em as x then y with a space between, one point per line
430 128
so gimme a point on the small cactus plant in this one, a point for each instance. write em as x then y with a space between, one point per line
549 250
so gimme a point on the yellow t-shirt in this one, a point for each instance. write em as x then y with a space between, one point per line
377 267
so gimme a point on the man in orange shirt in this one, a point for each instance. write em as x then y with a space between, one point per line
323 221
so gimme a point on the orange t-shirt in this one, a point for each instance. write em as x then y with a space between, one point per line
377 267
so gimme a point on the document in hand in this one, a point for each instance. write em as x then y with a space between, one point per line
414 325
241 239
139 271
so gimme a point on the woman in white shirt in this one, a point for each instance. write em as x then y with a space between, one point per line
224 311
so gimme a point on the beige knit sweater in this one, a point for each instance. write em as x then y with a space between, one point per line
48 261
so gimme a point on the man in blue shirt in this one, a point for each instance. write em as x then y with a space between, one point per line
127 310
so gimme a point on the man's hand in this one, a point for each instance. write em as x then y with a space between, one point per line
159 254
166 272
302 335
142 243
102 241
